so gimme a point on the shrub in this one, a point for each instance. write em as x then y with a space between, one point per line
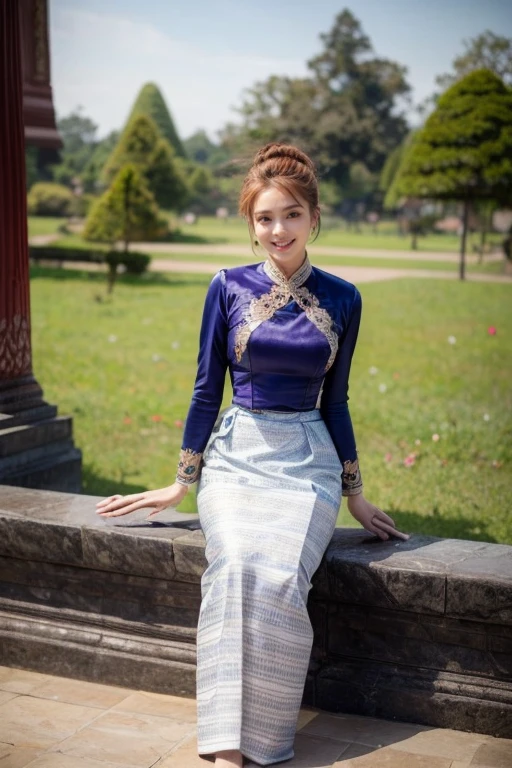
53 253
48 199
134 262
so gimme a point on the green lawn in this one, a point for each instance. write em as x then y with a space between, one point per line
210 230
44 225
124 368
487 267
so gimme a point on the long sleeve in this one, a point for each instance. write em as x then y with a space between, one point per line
208 391
334 402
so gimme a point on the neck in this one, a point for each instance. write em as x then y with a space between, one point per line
291 267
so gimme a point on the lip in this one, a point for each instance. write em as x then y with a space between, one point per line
285 246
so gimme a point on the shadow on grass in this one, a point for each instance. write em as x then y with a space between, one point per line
100 278
443 525
94 484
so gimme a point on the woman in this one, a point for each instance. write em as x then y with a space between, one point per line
272 472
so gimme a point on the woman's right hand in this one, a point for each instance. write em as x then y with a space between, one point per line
157 501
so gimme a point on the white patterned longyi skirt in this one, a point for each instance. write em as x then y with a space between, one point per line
268 498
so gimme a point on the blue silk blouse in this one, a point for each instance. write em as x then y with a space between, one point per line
288 346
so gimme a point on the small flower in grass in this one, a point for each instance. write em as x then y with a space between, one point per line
156 417
497 464
178 423
417 441
435 437
486 417
175 345
127 420
492 330
156 358
372 370
410 460
388 457
147 321
452 340
112 338
382 388
396 376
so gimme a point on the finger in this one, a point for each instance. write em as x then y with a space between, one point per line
133 507
390 529
380 515
104 502
120 501
377 531
156 511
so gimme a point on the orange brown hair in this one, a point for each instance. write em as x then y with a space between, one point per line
284 166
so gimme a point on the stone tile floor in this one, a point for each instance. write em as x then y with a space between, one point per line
55 722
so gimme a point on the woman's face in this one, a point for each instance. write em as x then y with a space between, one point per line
282 224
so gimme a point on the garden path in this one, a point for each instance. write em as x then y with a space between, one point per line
352 274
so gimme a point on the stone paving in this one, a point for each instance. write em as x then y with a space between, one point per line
55 722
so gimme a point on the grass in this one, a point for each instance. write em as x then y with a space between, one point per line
209 230
44 225
489 267
124 368
486 267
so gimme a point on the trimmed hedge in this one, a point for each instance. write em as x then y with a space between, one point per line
134 262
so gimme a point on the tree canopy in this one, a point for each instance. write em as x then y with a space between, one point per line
151 103
142 146
464 150
346 112
127 211
486 51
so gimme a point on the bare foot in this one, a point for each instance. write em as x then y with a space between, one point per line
229 758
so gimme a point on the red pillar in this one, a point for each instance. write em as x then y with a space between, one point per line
33 441
15 353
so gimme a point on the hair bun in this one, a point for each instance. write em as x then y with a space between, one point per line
277 151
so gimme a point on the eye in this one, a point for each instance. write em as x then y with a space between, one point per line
263 219
294 214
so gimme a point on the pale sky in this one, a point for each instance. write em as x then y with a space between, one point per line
202 54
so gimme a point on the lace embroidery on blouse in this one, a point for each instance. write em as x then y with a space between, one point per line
189 466
352 483
266 306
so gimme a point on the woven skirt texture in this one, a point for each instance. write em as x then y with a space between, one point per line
268 499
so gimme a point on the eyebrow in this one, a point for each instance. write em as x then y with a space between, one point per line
286 208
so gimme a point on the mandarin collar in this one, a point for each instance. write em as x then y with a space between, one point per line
297 279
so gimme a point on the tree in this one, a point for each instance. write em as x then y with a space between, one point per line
142 146
91 173
48 199
77 131
346 112
486 51
464 150
150 103
127 211
135 147
201 150
78 135
165 178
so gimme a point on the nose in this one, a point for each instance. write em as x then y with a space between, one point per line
278 228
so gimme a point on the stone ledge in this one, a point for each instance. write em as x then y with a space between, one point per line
53 527
416 630
441 577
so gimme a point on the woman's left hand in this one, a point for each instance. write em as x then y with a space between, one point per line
373 519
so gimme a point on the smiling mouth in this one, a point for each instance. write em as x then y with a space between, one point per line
283 244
